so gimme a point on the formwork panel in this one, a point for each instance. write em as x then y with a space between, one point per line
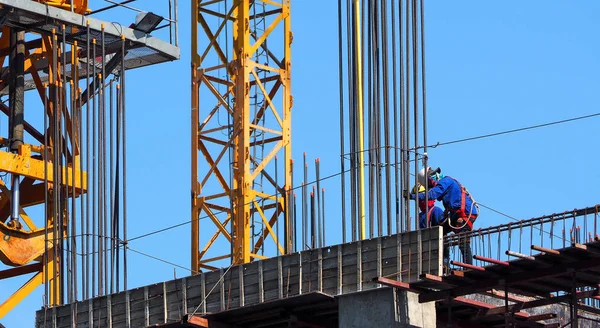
334 270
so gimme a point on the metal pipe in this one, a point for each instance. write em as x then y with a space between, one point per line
15 198
17 115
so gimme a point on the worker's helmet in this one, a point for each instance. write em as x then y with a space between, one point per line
434 174
418 188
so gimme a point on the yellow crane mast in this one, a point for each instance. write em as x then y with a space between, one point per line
241 122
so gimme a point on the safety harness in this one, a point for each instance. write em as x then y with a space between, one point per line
462 214
429 216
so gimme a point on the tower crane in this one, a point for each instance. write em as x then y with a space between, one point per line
241 122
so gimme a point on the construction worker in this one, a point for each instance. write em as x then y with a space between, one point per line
430 215
461 210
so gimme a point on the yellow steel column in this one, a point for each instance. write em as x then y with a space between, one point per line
361 137
243 123
195 238
287 115
243 194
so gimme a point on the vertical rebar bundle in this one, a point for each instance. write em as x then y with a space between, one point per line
391 59
83 156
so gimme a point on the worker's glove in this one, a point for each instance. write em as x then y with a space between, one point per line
413 196
405 194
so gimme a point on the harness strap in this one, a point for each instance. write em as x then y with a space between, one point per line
429 217
462 214
470 221
463 200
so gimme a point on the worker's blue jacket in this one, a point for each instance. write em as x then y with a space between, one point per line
436 217
449 192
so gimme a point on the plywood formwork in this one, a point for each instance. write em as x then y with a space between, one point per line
333 270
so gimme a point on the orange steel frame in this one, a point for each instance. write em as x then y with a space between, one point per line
225 183
26 248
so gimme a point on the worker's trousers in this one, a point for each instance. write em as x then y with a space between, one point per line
464 244
465 250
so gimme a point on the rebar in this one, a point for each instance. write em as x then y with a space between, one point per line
56 187
313 225
88 293
46 213
124 126
323 215
94 188
342 132
318 212
305 206
64 162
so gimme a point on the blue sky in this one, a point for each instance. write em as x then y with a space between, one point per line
491 66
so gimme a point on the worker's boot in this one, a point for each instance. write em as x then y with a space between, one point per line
465 249
446 261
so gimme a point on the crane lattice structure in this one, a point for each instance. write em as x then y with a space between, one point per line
241 122
62 160
33 158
